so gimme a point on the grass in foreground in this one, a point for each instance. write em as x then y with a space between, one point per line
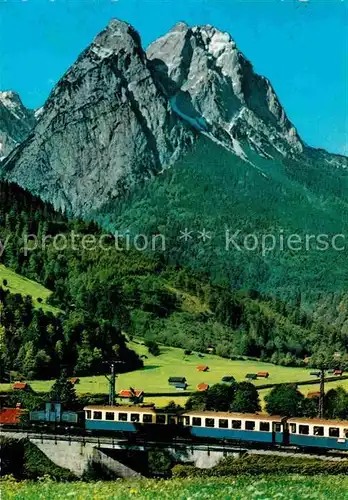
234 488
18 284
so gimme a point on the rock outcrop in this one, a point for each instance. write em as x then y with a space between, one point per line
16 122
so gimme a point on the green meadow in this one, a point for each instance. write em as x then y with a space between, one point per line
19 284
153 378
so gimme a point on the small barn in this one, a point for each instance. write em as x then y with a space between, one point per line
74 380
202 387
338 373
176 380
228 379
21 386
263 374
180 386
313 395
131 395
202 368
251 376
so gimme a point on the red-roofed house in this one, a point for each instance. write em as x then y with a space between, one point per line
22 386
74 380
202 387
338 372
202 368
10 416
263 374
131 395
312 395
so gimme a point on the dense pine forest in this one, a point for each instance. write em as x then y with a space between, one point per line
105 294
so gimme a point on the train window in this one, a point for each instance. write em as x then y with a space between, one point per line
236 424
135 417
334 432
97 415
264 426
303 429
147 419
277 426
249 425
209 422
160 419
88 414
171 420
184 420
223 423
293 428
109 415
123 417
318 431
197 421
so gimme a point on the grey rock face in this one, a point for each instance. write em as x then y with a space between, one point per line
16 122
206 76
105 126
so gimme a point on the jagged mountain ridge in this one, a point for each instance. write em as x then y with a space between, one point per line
104 126
16 122
203 71
120 116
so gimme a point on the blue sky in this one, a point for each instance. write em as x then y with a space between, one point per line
301 46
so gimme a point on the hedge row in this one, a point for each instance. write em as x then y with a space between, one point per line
257 465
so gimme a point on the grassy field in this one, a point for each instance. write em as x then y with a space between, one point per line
233 488
172 362
24 286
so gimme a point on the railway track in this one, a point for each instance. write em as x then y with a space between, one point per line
177 445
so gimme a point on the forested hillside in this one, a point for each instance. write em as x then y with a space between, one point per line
103 292
213 190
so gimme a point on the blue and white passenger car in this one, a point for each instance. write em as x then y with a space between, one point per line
245 427
125 418
317 433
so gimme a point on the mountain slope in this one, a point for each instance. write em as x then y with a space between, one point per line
103 291
16 122
214 190
187 135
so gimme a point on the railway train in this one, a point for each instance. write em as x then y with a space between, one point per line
148 422
220 426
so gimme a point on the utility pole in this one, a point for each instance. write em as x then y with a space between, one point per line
112 381
322 393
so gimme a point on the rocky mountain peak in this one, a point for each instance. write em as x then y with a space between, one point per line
105 126
206 76
16 121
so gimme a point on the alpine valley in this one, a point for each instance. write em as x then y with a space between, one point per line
181 136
